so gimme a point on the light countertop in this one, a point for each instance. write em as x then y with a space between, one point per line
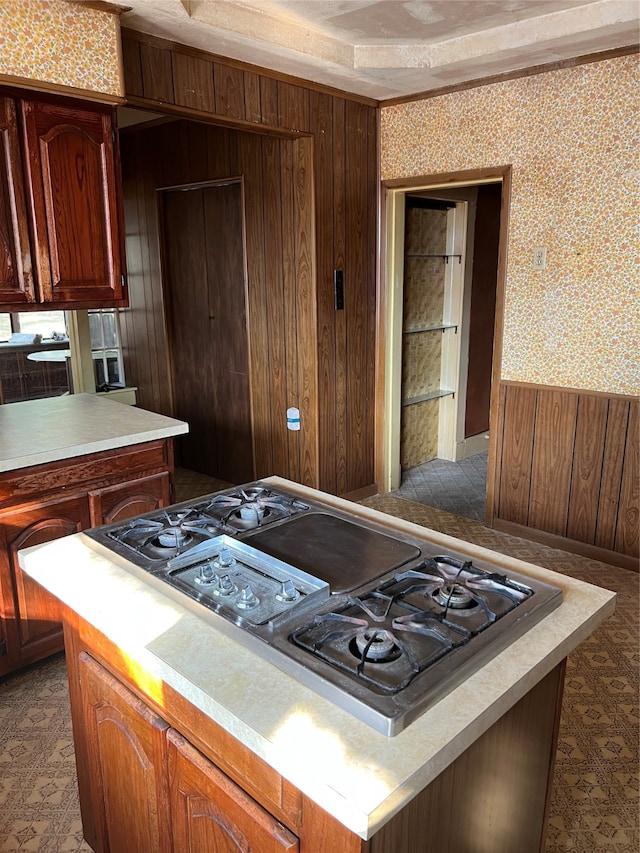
47 430
356 774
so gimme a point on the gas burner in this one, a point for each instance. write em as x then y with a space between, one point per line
376 645
248 508
454 595
380 640
172 537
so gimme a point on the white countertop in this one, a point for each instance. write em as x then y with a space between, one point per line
356 774
54 428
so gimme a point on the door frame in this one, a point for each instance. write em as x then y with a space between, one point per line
388 364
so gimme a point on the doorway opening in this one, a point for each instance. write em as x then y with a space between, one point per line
445 252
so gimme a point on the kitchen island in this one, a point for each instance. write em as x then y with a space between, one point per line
66 464
208 732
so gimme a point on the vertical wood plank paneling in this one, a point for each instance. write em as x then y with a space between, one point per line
322 129
344 237
250 161
132 67
577 454
293 106
153 317
494 471
276 325
588 454
341 317
193 138
608 504
269 101
193 82
355 288
517 454
627 539
252 102
552 461
157 75
306 313
229 91
218 145
371 311
291 314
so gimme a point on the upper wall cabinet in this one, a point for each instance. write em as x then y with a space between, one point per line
61 234
16 276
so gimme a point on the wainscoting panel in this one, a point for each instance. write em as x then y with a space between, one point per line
569 466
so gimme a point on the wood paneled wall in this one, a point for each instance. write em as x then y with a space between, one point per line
335 154
569 466
280 295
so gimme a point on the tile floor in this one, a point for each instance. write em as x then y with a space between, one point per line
457 487
595 803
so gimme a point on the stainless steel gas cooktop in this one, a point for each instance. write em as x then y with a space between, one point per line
380 622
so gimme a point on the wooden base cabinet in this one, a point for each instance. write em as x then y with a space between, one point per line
145 755
45 502
149 790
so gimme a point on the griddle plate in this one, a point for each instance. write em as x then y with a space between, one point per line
342 553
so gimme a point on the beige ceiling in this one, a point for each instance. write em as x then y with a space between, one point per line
392 48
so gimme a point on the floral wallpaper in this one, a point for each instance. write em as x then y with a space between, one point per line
572 138
63 43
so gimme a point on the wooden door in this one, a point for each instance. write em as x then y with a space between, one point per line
210 812
205 298
482 315
125 789
75 204
16 278
31 616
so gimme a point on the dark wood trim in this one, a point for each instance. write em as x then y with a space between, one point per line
593 552
361 494
168 44
580 391
513 75
58 89
449 179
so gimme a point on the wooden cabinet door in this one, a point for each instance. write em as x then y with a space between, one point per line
122 777
71 165
30 614
210 812
16 276
117 503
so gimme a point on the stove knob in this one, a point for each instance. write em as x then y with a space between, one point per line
225 559
247 599
207 574
287 592
225 586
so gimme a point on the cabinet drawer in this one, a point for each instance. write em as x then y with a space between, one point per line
93 471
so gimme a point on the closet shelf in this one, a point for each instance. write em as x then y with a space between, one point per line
426 255
430 395
436 328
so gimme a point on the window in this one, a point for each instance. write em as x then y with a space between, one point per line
104 329
49 325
